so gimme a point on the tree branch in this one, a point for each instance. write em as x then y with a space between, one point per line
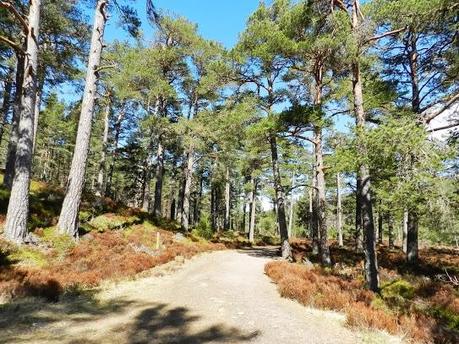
385 34
447 126
17 48
9 7
450 102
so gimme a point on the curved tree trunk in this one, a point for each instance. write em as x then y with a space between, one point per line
13 142
18 206
280 200
68 219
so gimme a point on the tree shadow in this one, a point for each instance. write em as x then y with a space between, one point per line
262 252
25 315
160 324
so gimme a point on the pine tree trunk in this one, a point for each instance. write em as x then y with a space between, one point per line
36 117
280 200
339 211
6 104
227 200
159 174
18 206
390 225
380 226
314 217
13 142
111 170
187 191
364 193
103 155
197 208
321 199
412 250
405 231
291 209
253 210
358 237
68 219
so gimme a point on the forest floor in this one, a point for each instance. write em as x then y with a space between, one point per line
218 297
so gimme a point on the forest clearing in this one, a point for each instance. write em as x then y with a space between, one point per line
277 171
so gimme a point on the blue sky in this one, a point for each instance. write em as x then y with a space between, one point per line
220 20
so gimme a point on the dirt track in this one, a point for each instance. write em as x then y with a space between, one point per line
221 297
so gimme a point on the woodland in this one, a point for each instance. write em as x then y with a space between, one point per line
329 130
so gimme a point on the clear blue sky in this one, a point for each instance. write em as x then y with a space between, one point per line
220 20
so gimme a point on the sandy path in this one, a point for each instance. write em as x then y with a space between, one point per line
221 297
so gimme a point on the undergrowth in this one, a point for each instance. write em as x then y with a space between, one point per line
411 303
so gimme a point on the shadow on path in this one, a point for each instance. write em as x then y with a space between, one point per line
262 251
159 324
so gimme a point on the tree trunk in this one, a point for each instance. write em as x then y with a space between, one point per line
371 264
18 206
68 219
159 175
103 155
197 208
13 142
358 237
227 200
253 210
7 90
280 200
36 117
412 238
187 191
117 129
405 231
380 225
339 211
291 209
321 199
390 225
311 225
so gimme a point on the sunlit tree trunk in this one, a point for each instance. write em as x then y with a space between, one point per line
159 175
227 200
187 191
321 199
291 209
371 264
101 181
339 210
390 225
280 200
253 210
18 206
68 219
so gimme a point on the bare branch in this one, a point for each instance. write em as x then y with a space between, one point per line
446 126
385 34
450 102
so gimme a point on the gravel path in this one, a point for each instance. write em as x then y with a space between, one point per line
221 297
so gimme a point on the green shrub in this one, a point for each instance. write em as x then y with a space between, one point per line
204 229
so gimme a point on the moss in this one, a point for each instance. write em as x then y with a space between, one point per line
59 242
447 316
29 256
398 289
111 221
